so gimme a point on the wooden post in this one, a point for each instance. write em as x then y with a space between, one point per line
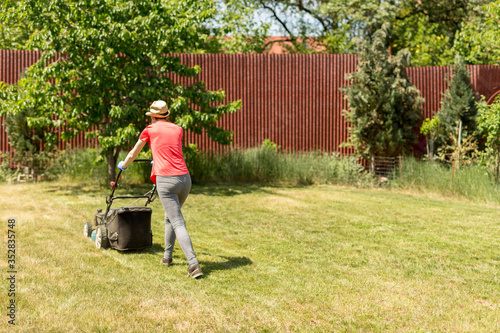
459 142
400 170
452 170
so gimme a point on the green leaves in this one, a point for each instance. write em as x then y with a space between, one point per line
429 126
478 41
488 123
488 126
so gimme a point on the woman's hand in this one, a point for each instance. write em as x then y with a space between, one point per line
120 165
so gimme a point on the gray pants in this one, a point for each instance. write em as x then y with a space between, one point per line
173 191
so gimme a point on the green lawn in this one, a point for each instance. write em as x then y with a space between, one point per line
300 259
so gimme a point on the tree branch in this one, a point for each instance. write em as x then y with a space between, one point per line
326 27
273 11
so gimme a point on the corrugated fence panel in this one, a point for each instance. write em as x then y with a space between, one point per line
486 80
293 100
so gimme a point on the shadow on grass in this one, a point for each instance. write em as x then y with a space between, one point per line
207 266
230 263
218 190
155 249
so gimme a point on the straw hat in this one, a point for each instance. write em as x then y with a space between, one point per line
158 109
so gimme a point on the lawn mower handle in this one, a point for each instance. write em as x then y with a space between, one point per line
109 200
143 160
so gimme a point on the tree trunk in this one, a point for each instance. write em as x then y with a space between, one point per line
372 164
112 157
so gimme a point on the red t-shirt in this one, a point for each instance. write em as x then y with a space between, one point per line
165 141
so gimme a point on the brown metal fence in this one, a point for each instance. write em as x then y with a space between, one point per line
293 100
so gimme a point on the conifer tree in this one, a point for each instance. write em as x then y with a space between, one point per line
384 107
458 103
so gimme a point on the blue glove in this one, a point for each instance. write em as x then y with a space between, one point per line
120 165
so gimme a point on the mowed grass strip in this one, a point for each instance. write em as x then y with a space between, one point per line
298 259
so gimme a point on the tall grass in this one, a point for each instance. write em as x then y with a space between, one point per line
79 165
250 166
268 166
5 171
472 182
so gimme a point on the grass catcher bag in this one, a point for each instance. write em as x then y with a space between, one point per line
129 228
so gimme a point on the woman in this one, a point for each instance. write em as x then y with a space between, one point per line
172 178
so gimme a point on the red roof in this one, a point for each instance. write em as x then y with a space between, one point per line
278 44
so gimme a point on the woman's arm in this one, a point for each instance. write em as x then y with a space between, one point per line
132 155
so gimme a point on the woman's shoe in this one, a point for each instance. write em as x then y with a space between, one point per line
194 271
166 262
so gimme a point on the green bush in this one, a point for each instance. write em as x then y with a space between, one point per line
5 171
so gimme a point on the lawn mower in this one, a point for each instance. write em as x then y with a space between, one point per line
125 228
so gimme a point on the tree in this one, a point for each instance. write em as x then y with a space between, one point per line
458 103
231 29
331 25
478 42
106 61
459 150
489 127
427 28
384 107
